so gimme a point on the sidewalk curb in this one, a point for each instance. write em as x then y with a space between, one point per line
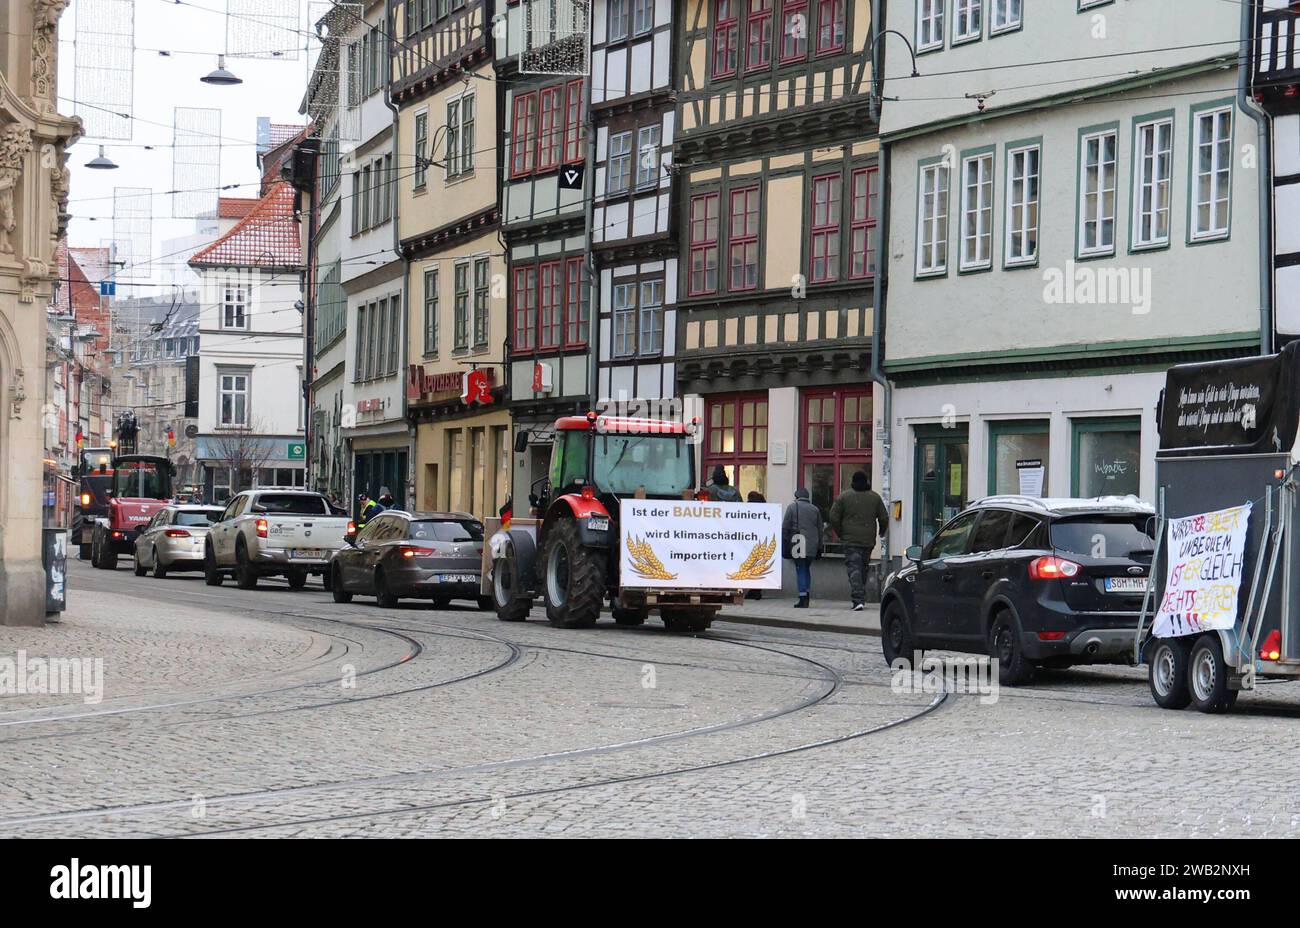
770 622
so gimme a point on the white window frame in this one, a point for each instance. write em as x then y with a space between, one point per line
420 149
643 16
622 305
1220 153
970 14
623 156
1005 16
648 147
650 335
1148 180
1107 182
1017 220
460 136
620 19
932 220
234 298
929 24
234 391
981 210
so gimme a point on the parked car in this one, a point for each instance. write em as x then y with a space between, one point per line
412 555
173 540
1030 582
274 531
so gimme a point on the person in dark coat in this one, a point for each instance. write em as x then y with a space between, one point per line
801 538
859 519
754 497
720 488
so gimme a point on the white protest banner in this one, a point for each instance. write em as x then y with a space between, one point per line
1206 558
686 544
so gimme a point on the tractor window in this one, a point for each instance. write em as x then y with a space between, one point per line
569 459
660 463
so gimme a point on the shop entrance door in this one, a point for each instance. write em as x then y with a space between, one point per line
941 479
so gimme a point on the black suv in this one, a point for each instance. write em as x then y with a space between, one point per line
1030 582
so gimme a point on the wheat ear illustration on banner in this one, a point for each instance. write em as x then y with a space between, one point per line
645 563
759 563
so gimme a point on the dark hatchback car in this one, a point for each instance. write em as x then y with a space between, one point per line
1030 582
412 555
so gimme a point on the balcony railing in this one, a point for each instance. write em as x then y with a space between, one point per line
1276 60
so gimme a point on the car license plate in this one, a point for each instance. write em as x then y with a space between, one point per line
315 554
1126 584
457 578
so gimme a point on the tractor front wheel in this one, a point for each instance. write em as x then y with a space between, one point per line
574 589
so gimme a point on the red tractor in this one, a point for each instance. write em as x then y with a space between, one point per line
570 554
142 485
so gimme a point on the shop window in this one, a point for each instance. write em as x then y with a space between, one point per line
1019 458
736 439
837 435
1107 457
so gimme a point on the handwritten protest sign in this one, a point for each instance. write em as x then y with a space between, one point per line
1207 557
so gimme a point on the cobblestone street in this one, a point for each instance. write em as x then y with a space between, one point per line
271 712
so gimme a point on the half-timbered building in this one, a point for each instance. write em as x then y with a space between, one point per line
448 218
543 224
775 145
634 236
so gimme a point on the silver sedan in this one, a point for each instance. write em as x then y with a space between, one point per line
173 540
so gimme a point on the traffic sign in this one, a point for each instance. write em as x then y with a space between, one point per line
108 288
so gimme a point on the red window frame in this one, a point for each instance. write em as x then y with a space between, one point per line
523 147
746 239
834 11
856 458
701 243
790 8
575 325
863 219
550 133
525 308
758 21
574 131
825 232
726 35
550 305
755 434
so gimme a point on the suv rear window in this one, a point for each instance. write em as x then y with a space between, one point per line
1102 536
293 504
446 531
206 517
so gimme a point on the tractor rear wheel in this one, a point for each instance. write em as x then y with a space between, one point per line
689 619
574 588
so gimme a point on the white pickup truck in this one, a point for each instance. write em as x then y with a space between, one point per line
266 532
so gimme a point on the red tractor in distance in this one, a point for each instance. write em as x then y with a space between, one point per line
571 553
141 486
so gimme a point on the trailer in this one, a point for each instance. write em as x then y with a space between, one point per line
1228 453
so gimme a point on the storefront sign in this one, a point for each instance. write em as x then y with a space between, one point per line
421 385
374 405
1206 557
686 545
542 379
476 389
1031 474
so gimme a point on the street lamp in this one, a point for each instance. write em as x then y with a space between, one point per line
101 162
877 78
221 77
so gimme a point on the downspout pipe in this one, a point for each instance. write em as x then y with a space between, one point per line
1245 60
882 274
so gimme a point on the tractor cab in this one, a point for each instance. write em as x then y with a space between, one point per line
143 477
610 457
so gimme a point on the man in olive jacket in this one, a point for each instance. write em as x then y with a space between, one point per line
855 517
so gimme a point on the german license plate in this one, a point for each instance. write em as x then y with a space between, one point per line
1126 584
457 578
311 554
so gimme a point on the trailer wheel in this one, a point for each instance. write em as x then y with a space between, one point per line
510 607
1167 673
689 620
1207 676
84 550
630 616
575 578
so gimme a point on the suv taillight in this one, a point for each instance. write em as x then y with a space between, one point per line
261 528
1052 568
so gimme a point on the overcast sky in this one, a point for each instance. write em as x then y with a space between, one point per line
271 88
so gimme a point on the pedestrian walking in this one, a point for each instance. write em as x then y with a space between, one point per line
367 509
855 516
754 497
720 488
386 501
801 541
